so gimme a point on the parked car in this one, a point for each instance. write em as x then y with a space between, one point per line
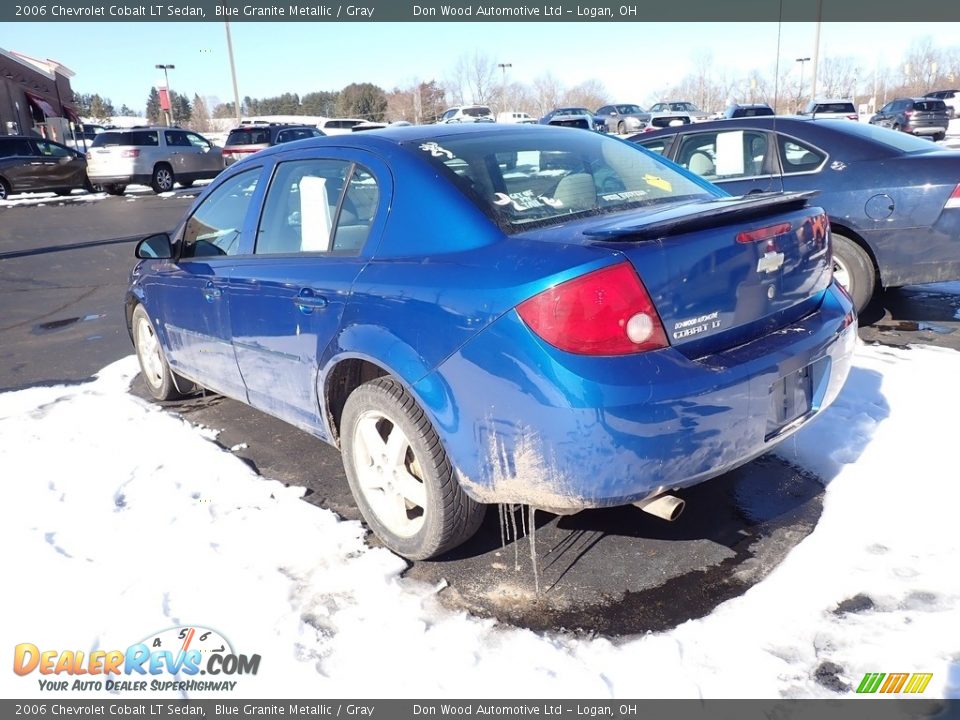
338 126
589 335
575 117
825 109
154 156
31 164
466 114
518 118
749 110
893 200
681 107
949 98
621 119
917 116
248 139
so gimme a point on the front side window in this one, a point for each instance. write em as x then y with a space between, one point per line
52 149
523 180
216 226
726 155
197 141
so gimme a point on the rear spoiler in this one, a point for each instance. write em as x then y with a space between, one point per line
710 213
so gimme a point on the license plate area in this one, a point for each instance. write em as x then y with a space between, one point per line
791 398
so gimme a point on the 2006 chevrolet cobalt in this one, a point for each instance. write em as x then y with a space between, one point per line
479 314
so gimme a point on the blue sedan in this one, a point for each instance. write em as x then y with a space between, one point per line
479 314
893 199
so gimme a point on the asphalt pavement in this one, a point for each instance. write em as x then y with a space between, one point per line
63 273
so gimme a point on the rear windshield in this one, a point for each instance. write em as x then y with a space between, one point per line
139 139
893 139
477 111
253 136
930 106
524 180
835 108
751 111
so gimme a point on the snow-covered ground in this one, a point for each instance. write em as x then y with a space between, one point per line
122 520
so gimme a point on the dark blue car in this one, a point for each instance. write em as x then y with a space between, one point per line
893 199
479 314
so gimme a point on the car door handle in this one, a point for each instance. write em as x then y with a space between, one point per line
211 293
307 300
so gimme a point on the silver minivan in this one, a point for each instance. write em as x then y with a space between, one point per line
154 156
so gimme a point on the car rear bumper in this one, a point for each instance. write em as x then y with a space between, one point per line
120 179
925 129
534 425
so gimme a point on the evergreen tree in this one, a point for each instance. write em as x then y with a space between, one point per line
154 113
362 100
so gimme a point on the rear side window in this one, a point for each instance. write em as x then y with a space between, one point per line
176 138
216 226
725 155
136 139
260 136
930 106
798 157
13 148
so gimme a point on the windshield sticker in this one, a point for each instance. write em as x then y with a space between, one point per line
625 195
436 151
657 182
525 200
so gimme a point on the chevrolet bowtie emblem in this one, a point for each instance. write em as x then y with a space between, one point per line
770 262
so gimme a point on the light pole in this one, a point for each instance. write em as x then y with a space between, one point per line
166 80
233 73
802 62
503 84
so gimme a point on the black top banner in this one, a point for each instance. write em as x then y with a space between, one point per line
501 11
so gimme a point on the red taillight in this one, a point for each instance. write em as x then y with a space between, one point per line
954 200
908 113
853 117
130 153
765 233
606 312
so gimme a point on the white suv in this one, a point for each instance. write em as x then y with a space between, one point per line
466 114
154 156
950 98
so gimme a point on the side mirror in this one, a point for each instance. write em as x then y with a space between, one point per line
155 247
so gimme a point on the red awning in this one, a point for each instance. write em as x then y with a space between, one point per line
42 105
71 114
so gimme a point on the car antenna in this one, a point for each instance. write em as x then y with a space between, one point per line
776 96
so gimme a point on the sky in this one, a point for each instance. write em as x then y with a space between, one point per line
119 540
635 61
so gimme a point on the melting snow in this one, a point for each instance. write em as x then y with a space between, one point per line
122 520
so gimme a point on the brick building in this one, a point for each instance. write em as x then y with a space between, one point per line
35 96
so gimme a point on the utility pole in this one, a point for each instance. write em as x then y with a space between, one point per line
503 84
816 50
802 62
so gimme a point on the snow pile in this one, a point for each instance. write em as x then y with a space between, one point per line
123 520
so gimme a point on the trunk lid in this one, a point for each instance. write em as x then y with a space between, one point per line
726 271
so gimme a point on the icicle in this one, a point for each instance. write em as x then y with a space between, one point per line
533 548
516 548
503 525
523 521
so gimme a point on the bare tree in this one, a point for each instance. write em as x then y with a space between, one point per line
590 94
838 77
474 80
547 92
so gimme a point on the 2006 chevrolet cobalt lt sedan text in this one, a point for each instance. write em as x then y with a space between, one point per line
480 314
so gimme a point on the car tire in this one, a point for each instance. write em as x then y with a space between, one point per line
62 191
114 189
939 136
412 501
4 189
161 381
162 179
853 269
621 128
186 183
